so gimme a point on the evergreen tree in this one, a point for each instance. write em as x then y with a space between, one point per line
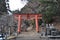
49 9
3 9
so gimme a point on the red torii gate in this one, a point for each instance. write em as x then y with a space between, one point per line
19 17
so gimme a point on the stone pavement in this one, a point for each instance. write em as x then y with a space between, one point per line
25 34
29 34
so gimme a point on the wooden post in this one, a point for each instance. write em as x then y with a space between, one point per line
36 20
19 23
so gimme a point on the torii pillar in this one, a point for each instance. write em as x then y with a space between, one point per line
36 21
19 24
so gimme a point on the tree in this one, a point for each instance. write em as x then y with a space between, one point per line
49 9
46 7
3 9
58 8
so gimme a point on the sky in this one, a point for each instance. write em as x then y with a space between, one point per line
17 4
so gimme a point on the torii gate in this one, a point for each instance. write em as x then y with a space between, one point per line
19 17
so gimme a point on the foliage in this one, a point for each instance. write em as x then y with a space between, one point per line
40 22
3 9
49 10
45 7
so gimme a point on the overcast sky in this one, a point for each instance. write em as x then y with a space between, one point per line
17 4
